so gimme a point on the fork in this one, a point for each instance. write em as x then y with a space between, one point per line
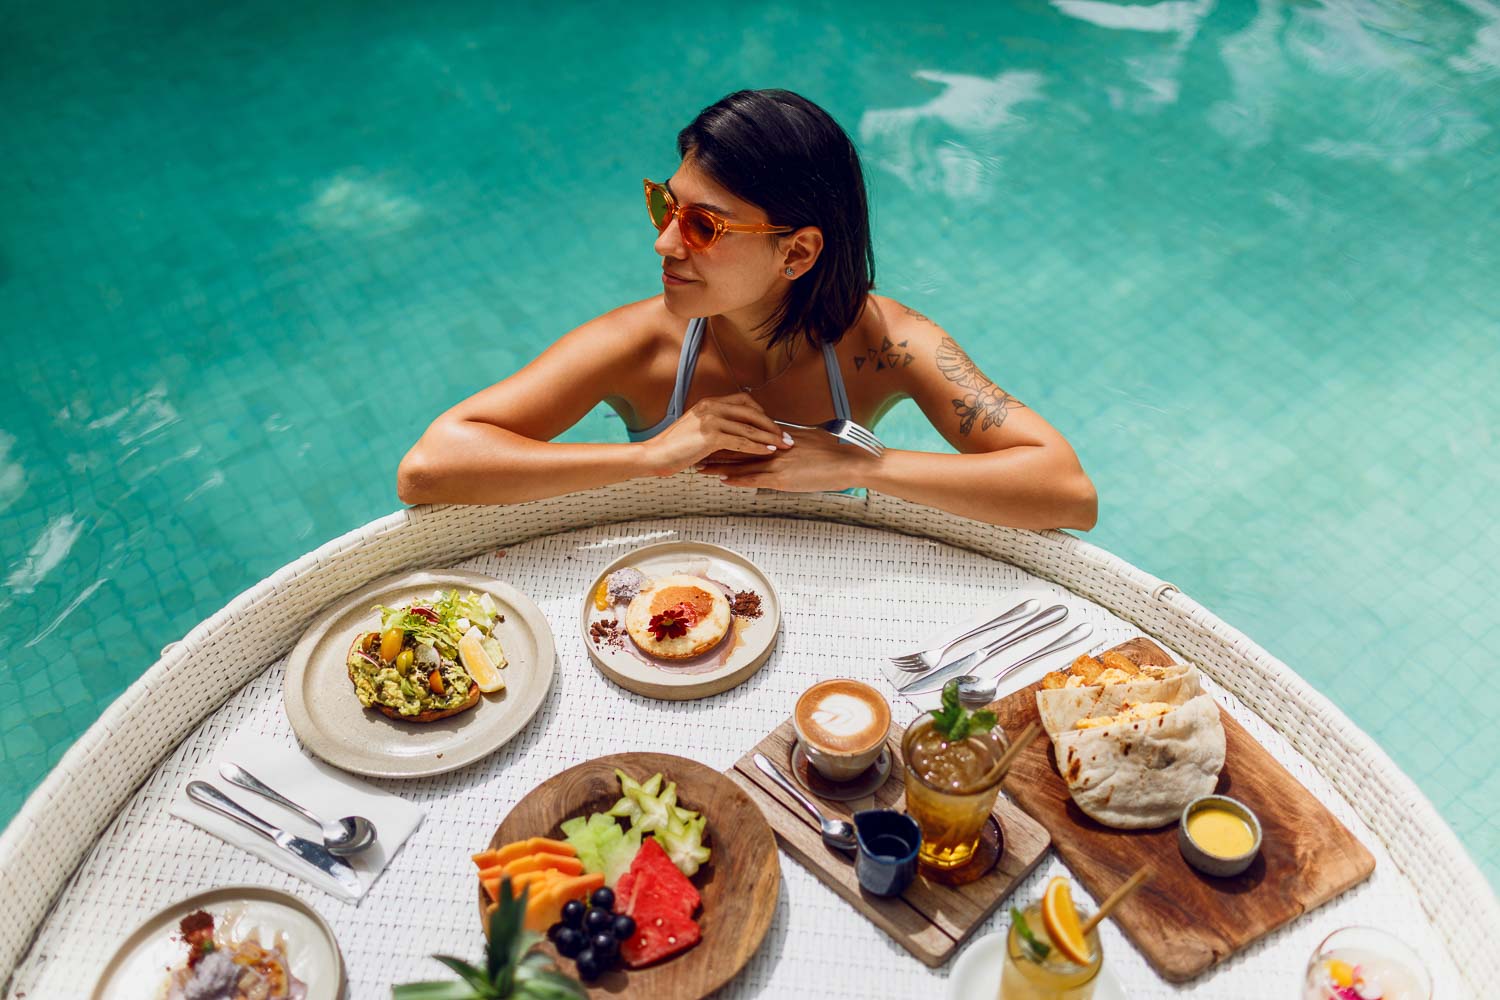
931 659
932 681
846 431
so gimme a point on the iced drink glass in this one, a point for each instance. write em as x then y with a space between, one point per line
1053 977
950 790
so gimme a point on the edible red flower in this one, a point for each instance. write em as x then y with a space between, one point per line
673 622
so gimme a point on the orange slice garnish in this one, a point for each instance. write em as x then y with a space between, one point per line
1061 922
601 596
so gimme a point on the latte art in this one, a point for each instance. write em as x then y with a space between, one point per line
844 715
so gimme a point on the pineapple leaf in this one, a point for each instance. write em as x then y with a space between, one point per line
470 974
539 981
507 941
448 989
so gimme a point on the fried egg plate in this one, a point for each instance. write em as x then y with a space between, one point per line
710 617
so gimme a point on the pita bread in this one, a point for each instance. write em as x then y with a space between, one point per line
1060 708
1142 773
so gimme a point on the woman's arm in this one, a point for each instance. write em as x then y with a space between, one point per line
1013 468
495 446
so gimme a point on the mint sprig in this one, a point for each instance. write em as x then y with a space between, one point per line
1039 950
956 722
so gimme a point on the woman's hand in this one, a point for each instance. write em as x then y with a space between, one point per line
819 462
716 424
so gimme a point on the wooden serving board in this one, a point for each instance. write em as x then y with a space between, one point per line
1183 921
739 884
929 920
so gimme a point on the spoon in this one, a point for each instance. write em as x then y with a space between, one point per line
343 837
975 692
837 833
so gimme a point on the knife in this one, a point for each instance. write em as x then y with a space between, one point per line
1039 622
316 855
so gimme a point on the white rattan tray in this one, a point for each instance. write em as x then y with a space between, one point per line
94 851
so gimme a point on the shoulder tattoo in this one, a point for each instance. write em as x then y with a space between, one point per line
980 398
890 355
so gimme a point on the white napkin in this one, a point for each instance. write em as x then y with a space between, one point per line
1028 674
323 790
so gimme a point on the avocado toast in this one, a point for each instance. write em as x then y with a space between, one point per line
422 665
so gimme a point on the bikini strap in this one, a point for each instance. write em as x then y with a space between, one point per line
836 383
687 363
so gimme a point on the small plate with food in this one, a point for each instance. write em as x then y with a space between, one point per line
419 674
243 941
650 875
680 620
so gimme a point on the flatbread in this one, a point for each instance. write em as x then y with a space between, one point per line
1141 774
1061 707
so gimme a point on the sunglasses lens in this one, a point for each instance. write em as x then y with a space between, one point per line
698 229
656 204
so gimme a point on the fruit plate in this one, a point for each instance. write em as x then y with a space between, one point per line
138 967
739 884
329 720
624 664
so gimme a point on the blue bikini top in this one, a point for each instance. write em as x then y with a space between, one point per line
687 363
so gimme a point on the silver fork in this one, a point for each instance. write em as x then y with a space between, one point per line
931 659
845 430
933 681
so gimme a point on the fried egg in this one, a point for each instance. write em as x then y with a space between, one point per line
710 609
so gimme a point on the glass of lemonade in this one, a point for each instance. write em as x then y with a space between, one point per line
1053 976
949 790
1361 961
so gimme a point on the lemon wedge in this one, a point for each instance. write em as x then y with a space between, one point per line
484 670
1061 921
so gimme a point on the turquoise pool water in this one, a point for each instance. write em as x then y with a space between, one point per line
1243 255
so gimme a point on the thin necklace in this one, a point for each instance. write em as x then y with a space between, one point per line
730 368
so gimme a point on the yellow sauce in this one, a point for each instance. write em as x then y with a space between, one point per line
1220 832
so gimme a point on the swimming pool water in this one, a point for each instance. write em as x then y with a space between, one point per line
1242 254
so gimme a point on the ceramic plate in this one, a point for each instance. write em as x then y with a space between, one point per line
138 968
977 972
629 668
739 884
329 720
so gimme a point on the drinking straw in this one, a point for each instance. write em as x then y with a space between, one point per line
1116 898
998 769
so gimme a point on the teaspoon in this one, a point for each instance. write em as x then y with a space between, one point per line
837 833
975 692
343 837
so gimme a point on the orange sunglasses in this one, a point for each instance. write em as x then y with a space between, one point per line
700 228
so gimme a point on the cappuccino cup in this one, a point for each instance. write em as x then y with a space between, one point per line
842 724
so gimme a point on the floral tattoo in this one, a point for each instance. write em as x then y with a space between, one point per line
982 398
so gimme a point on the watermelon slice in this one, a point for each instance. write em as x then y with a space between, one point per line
661 900
659 936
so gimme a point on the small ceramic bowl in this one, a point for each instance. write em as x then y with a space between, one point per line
1213 864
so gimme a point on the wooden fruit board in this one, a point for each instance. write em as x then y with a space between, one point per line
929 920
1182 921
739 884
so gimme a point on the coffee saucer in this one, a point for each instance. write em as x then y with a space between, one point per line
862 785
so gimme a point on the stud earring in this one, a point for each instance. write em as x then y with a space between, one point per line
790 273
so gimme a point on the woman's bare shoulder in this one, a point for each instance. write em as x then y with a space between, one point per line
640 329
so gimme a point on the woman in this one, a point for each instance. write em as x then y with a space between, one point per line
765 314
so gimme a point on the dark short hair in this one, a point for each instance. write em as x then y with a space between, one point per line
782 153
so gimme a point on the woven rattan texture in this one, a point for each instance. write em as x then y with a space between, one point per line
849 593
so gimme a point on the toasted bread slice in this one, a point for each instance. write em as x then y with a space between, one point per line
432 715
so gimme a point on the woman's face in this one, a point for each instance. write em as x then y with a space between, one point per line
742 270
